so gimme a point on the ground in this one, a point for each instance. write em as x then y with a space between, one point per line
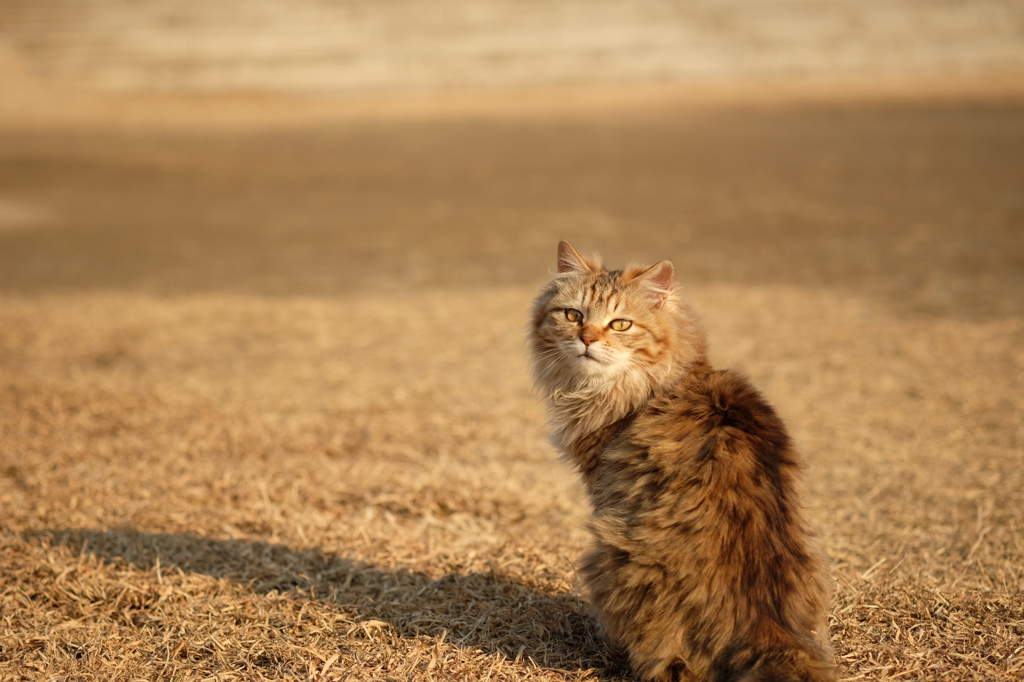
265 405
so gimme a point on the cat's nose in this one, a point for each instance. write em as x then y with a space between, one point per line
587 338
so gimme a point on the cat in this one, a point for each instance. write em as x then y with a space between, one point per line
703 566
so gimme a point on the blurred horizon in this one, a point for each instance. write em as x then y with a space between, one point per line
399 46
914 200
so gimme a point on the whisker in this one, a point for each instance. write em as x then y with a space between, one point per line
549 353
547 367
551 359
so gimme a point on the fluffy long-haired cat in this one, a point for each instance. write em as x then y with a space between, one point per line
703 567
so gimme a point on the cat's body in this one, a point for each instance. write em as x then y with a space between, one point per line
703 567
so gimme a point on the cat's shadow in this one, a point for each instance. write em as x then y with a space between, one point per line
487 611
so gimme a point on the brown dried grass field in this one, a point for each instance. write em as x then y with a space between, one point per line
265 410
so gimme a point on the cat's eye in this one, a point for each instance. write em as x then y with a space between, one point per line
620 325
573 315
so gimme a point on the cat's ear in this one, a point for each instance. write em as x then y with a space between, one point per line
569 260
656 282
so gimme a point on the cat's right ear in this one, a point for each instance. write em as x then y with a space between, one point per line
569 260
656 282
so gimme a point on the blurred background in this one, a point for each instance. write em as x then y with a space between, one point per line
397 45
393 145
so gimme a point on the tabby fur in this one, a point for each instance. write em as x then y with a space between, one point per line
703 567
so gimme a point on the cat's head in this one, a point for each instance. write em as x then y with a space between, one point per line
596 328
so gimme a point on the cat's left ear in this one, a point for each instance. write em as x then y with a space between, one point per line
656 282
569 260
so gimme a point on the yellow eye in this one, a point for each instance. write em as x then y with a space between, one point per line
573 315
620 325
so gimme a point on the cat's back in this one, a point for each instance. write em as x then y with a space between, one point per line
702 477
712 418
707 458
720 402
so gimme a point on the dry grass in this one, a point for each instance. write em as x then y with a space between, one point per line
360 488
238 463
